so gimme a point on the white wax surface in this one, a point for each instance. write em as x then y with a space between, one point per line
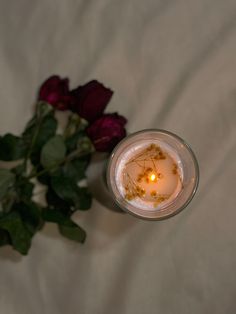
170 184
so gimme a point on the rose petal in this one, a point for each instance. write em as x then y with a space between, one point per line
55 91
90 100
107 131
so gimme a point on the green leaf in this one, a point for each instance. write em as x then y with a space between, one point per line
45 128
30 214
24 188
64 187
68 190
57 203
75 169
53 152
44 178
67 227
83 199
7 179
52 215
12 148
18 170
18 233
75 233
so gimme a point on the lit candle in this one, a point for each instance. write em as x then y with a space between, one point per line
150 177
152 174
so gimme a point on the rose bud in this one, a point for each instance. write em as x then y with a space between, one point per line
55 91
107 131
90 100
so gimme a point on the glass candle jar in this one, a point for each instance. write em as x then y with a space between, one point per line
152 174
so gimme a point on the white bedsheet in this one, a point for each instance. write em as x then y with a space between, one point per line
172 65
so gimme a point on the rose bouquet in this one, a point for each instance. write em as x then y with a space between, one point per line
55 158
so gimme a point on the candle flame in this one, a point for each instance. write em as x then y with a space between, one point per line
153 177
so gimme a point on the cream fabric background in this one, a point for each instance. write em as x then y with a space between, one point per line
172 65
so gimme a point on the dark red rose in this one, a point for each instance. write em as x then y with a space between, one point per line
55 91
90 100
107 131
